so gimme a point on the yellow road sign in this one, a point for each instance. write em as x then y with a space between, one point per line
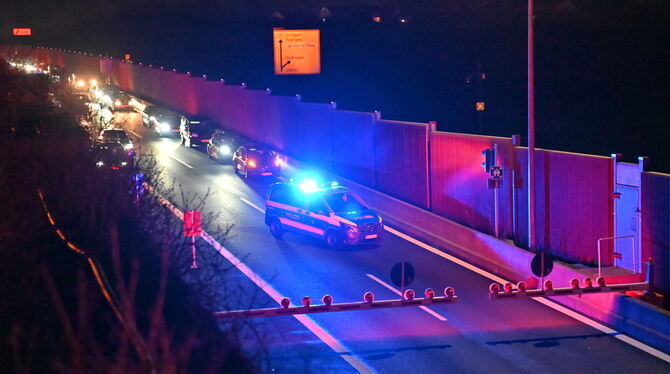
297 51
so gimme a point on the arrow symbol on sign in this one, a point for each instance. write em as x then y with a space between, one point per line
281 56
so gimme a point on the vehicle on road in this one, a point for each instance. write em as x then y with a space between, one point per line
112 155
116 100
82 83
116 135
221 145
256 160
166 122
194 130
121 101
149 114
330 212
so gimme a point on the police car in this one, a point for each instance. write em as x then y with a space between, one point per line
332 212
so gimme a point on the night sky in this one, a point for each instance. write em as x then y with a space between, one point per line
601 65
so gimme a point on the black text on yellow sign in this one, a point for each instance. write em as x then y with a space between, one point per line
297 51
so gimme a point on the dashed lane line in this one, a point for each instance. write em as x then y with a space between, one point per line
180 161
253 205
394 290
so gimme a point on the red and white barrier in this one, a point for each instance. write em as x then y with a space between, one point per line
510 291
368 303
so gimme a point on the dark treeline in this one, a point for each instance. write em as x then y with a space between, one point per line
53 316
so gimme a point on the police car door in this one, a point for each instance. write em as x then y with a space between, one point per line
317 215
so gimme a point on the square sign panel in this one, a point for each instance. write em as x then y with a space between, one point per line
297 51
22 31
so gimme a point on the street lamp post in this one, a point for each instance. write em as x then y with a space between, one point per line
531 132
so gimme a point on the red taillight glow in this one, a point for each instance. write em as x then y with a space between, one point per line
204 140
175 130
114 167
251 163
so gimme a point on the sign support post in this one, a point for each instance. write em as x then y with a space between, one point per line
192 228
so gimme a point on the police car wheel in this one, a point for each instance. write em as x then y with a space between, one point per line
276 228
333 240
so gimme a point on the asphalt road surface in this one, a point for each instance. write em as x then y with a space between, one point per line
474 335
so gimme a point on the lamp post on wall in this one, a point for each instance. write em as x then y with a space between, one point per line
531 132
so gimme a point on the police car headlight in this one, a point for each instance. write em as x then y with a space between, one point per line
99 163
225 150
123 163
164 126
352 229
128 146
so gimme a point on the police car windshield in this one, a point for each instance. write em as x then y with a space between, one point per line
342 202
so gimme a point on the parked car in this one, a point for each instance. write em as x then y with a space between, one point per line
331 212
116 135
149 115
120 101
221 145
112 155
194 130
166 122
256 160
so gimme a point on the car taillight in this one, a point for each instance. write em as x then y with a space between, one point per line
204 140
251 163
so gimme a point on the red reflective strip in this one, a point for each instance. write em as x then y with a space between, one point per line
302 226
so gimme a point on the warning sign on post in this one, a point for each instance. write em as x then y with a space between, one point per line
297 51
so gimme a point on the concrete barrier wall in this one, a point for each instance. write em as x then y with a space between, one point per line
574 206
401 160
354 146
459 184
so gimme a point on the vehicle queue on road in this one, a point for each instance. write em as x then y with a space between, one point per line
325 210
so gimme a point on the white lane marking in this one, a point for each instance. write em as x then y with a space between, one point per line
551 304
423 307
253 205
352 358
180 161
134 133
